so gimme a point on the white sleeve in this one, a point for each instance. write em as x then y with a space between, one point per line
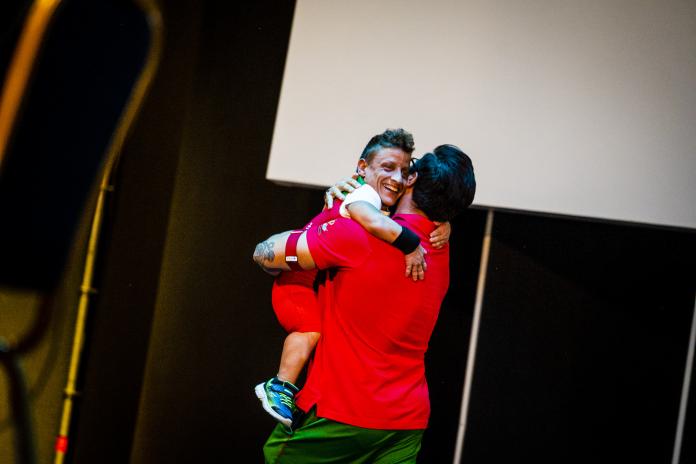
364 193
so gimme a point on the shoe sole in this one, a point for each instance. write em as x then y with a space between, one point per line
261 394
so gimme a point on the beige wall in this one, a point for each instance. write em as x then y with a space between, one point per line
584 108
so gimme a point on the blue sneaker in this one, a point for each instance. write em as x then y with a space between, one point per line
278 399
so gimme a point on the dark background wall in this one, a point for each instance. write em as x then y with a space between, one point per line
584 328
583 343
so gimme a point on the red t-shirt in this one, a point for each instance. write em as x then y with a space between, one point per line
368 368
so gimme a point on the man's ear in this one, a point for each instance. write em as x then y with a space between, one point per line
411 179
362 165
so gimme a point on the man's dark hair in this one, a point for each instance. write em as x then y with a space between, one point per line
390 138
446 184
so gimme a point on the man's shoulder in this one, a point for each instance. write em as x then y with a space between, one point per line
338 242
415 222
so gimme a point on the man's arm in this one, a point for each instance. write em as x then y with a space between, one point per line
373 221
388 230
270 254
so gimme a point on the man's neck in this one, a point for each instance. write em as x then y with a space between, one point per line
408 206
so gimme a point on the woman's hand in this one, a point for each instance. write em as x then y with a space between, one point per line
440 236
339 189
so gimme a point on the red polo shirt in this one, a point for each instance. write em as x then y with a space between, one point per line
368 368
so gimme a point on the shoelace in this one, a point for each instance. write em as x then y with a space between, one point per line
286 400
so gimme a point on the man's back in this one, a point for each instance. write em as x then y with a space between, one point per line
377 324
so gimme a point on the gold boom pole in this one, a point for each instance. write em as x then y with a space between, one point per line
21 66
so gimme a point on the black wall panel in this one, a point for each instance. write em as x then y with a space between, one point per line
583 342
445 361
688 449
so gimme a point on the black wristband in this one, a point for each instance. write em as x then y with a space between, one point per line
407 241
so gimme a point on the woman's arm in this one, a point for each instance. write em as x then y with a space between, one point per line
440 236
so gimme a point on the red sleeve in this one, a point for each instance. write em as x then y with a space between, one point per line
339 242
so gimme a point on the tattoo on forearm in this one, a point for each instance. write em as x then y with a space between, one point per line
264 252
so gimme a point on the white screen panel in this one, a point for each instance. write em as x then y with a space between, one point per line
586 108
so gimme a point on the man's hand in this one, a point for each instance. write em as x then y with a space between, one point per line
415 264
337 190
440 236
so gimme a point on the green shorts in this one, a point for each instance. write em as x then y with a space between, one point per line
320 440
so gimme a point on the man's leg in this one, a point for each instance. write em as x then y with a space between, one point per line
297 349
320 441
277 394
403 448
